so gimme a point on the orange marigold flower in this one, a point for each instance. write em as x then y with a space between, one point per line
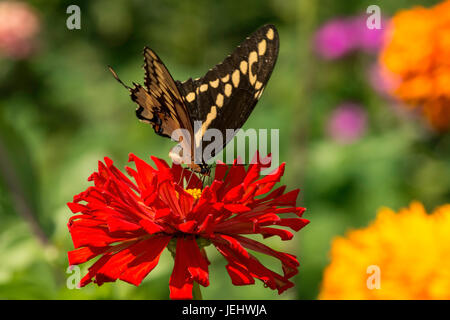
404 255
417 52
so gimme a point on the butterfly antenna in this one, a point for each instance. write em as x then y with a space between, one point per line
181 177
192 172
117 78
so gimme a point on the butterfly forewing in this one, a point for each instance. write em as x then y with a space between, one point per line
226 95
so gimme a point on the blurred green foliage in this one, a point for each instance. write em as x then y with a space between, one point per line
61 111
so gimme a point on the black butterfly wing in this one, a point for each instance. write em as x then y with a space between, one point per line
227 94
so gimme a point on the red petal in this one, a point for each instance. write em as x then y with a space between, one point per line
168 195
220 171
269 232
95 237
187 227
252 174
150 226
75 207
290 262
237 208
186 201
164 171
119 175
235 194
197 265
146 260
256 269
145 171
181 282
82 255
294 223
117 224
239 275
92 271
206 226
266 184
142 256
287 199
274 194
232 243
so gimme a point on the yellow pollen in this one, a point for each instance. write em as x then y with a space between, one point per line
196 193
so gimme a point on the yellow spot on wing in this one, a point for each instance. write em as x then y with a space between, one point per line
214 83
209 118
260 93
258 85
219 100
226 78
235 78
190 97
243 66
228 89
270 34
203 87
252 58
262 47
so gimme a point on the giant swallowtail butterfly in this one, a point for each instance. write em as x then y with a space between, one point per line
222 99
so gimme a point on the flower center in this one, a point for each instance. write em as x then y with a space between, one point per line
196 193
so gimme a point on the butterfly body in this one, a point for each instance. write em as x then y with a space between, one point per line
222 99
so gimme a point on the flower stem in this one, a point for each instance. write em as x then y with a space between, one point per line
196 292
23 208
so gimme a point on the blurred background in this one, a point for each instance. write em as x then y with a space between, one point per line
348 145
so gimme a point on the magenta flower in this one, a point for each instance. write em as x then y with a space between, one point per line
347 123
342 36
368 40
334 40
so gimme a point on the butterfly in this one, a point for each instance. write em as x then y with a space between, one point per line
222 99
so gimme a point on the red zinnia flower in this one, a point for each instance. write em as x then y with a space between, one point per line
130 223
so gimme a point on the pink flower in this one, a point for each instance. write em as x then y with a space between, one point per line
334 40
368 40
19 26
347 123
342 36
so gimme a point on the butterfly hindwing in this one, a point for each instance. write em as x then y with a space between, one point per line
226 95
159 102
